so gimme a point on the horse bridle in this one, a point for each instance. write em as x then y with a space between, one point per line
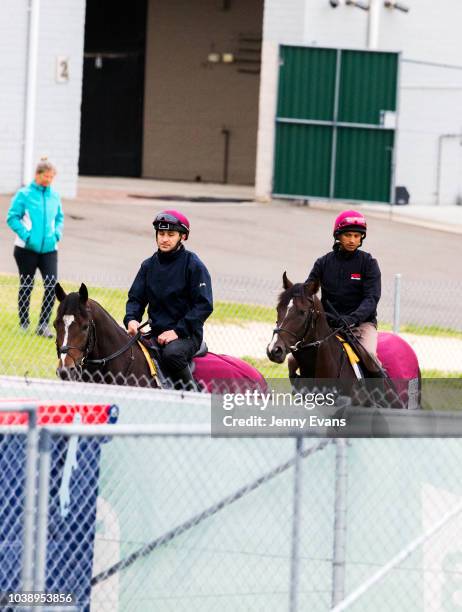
310 318
90 345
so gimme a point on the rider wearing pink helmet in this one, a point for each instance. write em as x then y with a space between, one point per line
176 288
350 279
350 221
172 220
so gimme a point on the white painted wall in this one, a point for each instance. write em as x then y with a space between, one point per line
431 105
430 100
57 120
283 22
13 57
342 26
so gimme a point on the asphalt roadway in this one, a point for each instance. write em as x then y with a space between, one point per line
108 232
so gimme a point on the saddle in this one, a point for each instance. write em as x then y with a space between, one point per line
379 387
153 353
356 353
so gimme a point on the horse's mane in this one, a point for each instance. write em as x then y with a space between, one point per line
108 315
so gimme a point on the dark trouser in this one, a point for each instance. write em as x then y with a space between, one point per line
176 355
28 262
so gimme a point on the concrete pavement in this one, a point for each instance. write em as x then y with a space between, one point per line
108 232
440 218
443 218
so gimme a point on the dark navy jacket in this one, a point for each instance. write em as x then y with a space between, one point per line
177 289
351 282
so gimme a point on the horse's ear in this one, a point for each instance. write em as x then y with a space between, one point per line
311 288
83 292
59 292
286 283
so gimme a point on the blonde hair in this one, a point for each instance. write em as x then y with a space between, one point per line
44 166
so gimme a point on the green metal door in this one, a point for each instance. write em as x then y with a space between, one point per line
335 125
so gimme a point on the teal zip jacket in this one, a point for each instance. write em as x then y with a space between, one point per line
36 217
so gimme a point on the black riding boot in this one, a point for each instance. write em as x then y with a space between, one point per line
183 380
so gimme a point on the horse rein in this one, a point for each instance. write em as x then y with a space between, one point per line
91 343
122 350
298 347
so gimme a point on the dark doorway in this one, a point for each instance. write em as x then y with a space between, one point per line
113 88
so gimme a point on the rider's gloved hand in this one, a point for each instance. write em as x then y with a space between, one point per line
349 321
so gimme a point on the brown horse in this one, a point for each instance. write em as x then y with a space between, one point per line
303 332
92 346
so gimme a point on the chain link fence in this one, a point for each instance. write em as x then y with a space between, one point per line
121 497
425 314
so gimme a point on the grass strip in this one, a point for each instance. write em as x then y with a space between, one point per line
24 353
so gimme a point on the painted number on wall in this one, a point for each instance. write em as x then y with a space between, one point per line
62 69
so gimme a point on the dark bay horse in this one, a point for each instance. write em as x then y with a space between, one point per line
303 332
92 346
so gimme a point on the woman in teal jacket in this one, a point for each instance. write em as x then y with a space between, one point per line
36 217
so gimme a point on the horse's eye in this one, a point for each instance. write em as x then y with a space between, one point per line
302 313
85 327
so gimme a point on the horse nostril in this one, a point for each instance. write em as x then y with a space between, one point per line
65 373
276 353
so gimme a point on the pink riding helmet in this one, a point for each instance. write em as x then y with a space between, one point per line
172 220
350 221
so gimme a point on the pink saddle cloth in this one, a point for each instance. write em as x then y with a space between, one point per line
402 366
226 373
397 356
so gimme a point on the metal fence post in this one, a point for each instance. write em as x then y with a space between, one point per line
294 560
397 303
340 521
27 566
42 511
